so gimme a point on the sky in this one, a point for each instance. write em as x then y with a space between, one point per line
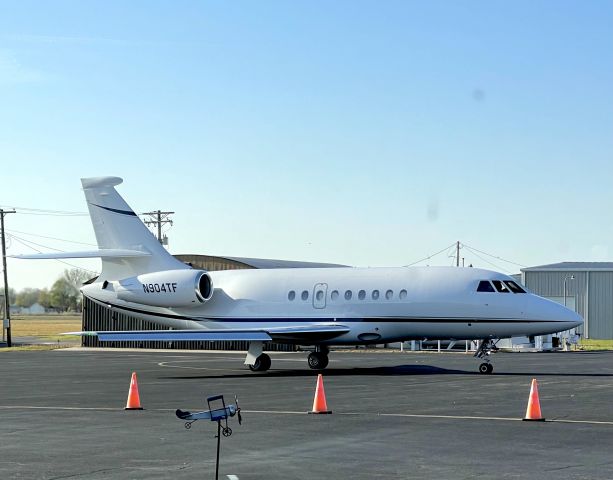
366 133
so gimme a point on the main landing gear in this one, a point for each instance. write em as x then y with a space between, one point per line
486 348
256 360
318 360
262 363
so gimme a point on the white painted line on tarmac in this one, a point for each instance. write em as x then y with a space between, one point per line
444 417
292 412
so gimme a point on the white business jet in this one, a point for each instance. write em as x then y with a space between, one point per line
317 307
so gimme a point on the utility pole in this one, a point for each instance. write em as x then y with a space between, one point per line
7 303
457 253
157 218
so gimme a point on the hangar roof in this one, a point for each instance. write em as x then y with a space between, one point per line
216 263
270 263
571 266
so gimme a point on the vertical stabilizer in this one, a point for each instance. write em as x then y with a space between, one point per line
117 227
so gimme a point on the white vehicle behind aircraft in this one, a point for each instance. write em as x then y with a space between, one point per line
317 307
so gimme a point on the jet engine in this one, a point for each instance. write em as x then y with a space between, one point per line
171 288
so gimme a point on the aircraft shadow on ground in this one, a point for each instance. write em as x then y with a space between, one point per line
393 371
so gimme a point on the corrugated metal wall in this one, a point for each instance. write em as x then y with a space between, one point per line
601 305
97 317
593 293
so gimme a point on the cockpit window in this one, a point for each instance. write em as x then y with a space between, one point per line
501 287
514 287
485 286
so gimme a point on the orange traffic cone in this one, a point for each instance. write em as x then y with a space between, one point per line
133 402
319 402
533 412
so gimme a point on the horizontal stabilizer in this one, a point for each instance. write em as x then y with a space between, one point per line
103 253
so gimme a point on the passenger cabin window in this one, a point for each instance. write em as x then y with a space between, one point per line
485 286
305 295
402 294
348 295
375 294
389 294
291 295
361 294
501 287
334 295
515 288
319 295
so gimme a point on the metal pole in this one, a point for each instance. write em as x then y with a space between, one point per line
457 254
218 446
7 304
160 226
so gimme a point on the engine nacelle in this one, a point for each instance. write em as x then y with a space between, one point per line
171 288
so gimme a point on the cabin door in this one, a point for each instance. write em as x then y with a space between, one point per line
319 295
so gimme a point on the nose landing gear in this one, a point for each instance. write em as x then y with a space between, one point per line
486 348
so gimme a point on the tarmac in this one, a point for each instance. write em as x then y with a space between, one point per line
395 416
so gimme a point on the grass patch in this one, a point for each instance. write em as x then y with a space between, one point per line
48 327
595 344
32 348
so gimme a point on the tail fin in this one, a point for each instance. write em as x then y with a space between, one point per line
126 247
118 228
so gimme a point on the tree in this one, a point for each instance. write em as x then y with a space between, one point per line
12 295
65 293
62 295
76 278
44 298
27 297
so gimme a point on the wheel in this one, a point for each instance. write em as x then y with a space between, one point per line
486 368
262 363
318 360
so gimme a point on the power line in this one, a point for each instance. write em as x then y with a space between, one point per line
430 256
52 238
497 267
41 211
493 256
26 243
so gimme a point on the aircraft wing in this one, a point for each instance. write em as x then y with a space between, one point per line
293 333
102 253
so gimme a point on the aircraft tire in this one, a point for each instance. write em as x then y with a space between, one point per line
262 363
486 368
318 360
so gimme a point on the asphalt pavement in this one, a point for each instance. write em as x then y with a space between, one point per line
395 415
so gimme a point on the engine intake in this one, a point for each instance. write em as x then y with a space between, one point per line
171 288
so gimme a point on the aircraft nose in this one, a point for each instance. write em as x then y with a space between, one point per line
576 319
571 318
